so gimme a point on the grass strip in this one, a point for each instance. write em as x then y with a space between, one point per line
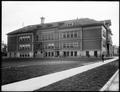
13 62
14 74
92 80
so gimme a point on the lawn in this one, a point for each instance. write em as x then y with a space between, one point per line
13 62
14 74
91 80
34 68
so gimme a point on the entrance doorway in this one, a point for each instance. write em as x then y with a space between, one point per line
71 53
64 54
57 53
67 53
95 53
87 53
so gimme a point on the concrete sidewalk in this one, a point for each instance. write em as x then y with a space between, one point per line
45 80
112 84
115 84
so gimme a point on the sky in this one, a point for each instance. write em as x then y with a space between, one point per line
17 14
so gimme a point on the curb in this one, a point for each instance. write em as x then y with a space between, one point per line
109 81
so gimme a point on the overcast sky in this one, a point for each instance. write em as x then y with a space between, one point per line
19 13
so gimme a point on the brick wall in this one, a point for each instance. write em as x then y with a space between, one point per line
92 38
12 43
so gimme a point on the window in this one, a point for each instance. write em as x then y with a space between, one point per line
40 45
75 34
71 35
71 46
70 24
67 35
49 37
20 38
46 54
43 36
24 38
64 35
49 25
64 45
75 53
52 36
24 46
60 24
36 37
67 46
40 37
104 33
45 46
75 44
28 48
50 45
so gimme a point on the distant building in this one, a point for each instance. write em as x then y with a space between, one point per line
71 38
115 50
4 49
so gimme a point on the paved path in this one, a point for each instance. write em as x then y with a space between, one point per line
45 80
115 84
112 84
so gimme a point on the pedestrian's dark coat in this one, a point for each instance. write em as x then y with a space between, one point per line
102 57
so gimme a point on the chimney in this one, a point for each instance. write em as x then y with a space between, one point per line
42 20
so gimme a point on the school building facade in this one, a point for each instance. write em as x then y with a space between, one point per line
71 38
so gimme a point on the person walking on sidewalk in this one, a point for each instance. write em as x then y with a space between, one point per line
103 57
